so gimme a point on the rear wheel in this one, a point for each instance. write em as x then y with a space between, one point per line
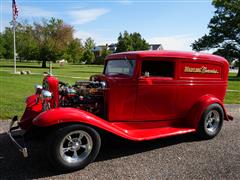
211 121
73 147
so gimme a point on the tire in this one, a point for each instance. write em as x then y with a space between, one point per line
73 147
211 122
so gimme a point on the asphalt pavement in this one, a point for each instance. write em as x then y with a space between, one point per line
179 157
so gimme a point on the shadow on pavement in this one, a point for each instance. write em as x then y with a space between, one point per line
116 147
14 166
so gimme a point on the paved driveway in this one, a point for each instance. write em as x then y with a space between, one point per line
181 157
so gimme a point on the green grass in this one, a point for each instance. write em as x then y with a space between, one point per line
15 88
233 84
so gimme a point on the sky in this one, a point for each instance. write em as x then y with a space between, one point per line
173 23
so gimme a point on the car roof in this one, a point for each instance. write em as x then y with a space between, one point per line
166 53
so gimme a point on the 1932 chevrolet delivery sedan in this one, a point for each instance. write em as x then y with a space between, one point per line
140 96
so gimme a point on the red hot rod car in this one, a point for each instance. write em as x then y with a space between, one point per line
140 95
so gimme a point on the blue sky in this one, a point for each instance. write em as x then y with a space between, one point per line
174 23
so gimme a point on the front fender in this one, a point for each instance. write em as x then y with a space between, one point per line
33 108
194 115
73 115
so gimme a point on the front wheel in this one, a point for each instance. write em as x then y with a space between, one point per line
211 121
73 147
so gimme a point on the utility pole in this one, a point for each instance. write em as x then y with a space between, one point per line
14 14
14 47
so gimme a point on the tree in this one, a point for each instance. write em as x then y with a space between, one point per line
88 55
2 48
74 51
27 47
89 43
26 44
124 42
47 40
53 38
224 31
8 43
138 43
131 42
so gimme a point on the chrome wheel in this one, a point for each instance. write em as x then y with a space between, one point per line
76 146
212 121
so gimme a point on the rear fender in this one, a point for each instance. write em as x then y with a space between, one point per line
73 115
194 115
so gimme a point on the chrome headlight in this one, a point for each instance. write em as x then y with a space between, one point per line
46 94
46 97
38 88
103 84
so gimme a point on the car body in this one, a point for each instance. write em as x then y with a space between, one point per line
141 95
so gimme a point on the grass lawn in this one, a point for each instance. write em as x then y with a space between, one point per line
233 84
15 88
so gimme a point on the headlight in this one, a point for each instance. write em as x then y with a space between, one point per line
103 84
46 94
46 98
38 88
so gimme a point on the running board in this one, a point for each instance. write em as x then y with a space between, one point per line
154 133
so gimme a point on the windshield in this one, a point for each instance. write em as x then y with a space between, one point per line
121 66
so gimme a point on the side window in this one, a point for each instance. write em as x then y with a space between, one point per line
158 68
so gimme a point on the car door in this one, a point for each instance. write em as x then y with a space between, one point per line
156 91
122 83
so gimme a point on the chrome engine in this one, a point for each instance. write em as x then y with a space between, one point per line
86 95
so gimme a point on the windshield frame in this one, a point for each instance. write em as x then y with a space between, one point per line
120 73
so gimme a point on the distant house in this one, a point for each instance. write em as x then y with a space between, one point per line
97 50
155 47
113 47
